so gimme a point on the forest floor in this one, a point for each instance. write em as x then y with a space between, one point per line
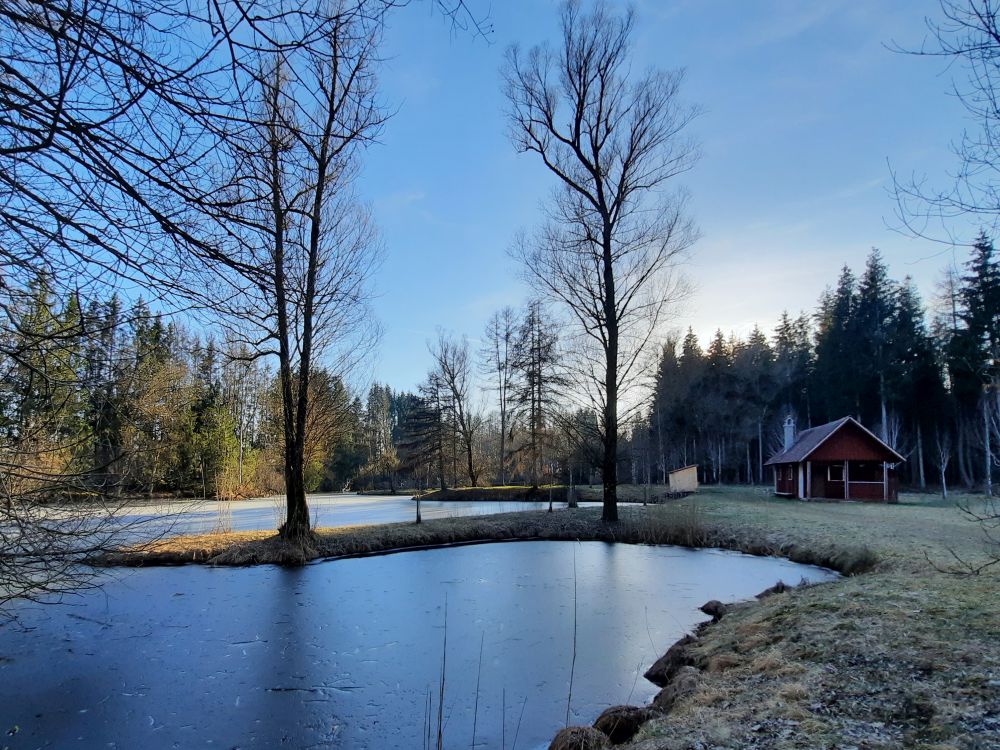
896 654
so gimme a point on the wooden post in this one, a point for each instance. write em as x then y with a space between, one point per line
418 510
809 479
885 481
847 482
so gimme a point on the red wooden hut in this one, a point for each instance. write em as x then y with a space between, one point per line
837 461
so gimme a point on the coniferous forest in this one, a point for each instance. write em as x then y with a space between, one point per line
142 406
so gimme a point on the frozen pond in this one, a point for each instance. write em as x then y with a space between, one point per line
332 509
344 654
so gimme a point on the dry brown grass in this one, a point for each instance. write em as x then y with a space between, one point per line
681 523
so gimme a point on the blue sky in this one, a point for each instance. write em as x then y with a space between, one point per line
805 109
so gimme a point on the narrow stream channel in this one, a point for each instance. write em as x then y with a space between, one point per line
344 654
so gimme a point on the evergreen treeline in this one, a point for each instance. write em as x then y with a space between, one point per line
929 390
114 400
121 400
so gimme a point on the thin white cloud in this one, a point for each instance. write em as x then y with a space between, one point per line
397 201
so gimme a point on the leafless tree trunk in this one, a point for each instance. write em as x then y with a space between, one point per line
302 250
943 444
921 474
614 141
454 372
987 449
498 363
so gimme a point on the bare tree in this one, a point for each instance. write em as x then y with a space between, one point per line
967 37
112 114
453 371
121 122
943 445
298 268
243 384
497 356
615 142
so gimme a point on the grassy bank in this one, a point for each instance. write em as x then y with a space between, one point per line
901 655
521 493
683 523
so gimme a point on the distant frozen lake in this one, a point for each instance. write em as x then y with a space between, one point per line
343 654
333 509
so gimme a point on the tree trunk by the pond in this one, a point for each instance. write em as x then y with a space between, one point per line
612 157
296 525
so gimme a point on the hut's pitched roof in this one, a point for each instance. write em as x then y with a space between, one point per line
809 440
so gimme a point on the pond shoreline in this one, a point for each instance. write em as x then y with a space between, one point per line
896 652
676 671
671 524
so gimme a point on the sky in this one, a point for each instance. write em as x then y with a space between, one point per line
806 112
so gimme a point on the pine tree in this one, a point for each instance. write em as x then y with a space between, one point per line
871 324
836 366
535 360
663 422
914 375
793 365
754 371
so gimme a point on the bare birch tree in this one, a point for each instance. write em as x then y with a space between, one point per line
616 143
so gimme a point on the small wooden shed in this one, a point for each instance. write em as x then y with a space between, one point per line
684 479
840 460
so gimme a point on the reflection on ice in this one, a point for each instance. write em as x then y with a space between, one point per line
346 653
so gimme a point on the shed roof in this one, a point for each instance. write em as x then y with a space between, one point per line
807 441
683 468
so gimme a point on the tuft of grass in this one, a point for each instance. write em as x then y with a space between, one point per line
722 662
793 691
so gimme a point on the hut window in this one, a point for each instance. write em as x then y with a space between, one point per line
835 473
867 471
